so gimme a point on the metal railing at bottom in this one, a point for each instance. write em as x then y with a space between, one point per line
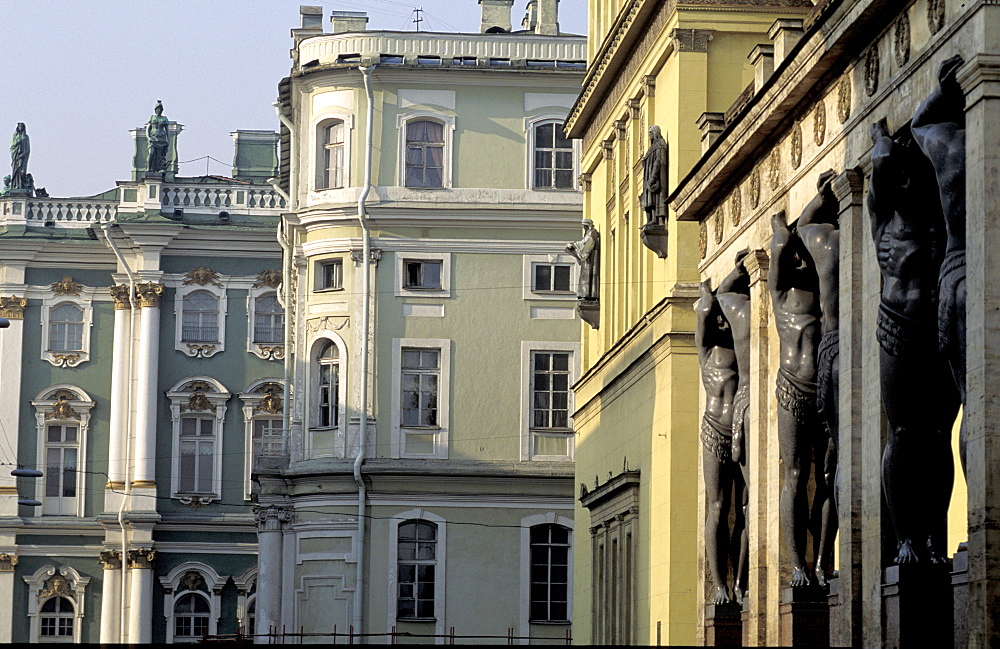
394 636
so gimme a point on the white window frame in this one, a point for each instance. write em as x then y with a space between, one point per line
246 595
267 351
562 259
448 122
529 155
85 301
201 349
180 404
398 437
403 257
339 448
78 413
440 576
524 601
77 594
319 122
251 398
171 583
527 434
319 267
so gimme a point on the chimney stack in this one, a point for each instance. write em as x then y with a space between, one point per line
496 15
548 18
348 21
311 21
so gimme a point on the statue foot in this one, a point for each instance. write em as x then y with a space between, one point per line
721 596
906 553
800 579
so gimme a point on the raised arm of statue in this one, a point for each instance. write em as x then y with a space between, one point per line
779 251
703 309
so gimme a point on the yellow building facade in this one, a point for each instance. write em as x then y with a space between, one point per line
663 63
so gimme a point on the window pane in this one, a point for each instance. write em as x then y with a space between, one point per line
432 274
205 467
54 434
564 180
544 135
69 473
69 433
53 472
543 277
560 362
561 279
429 359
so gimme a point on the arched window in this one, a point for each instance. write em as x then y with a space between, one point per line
424 154
416 563
201 318
66 328
191 615
549 573
269 320
553 157
56 618
328 387
330 165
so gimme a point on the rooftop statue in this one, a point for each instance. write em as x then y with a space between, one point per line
918 393
157 138
20 148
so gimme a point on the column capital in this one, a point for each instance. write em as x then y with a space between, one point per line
12 307
111 559
757 263
848 188
149 294
120 294
141 558
7 562
271 517
691 40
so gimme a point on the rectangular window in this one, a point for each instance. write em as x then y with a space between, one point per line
424 164
419 388
464 60
551 278
421 274
333 157
267 437
61 448
549 573
197 455
330 274
416 565
553 157
550 390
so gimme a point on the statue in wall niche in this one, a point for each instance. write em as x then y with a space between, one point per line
794 288
938 128
818 229
157 139
588 254
654 178
918 392
20 148
724 482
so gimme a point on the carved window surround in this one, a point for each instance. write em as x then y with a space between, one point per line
264 398
558 118
448 122
195 280
197 578
267 282
67 291
49 581
198 395
64 404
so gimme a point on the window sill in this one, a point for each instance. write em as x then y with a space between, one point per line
331 289
416 619
422 288
555 189
550 622
553 431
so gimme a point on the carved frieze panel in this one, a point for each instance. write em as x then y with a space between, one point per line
736 207
844 98
795 153
702 239
819 123
754 189
719 221
871 70
935 15
774 169
901 40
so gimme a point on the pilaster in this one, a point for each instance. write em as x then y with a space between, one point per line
8 562
271 521
140 610
11 355
147 373
111 593
120 359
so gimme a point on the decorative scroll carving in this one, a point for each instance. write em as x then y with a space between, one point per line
271 278
271 352
935 15
198 402
202 276
271 518
844 99
796 145
65 360
871 70
66 286
141 558
754 189
200 350
63 394
56 586
720 222
119 292
149 294
12 307
819 123
7 562
901 40
62 410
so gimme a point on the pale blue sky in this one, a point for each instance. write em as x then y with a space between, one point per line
81 73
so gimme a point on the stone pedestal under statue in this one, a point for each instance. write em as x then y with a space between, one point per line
960 595
917 608
805 617
723 625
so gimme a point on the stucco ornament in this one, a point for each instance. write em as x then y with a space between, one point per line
754 193
270 403
202 276
719 223
774 170
901 40
702 239
736 208
935 15
871 70
192 580
62 410
819 123
271 278
56 586
844 99
198 402
796 145
66 286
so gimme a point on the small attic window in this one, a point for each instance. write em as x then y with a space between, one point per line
500 62
572 65
428 60
496 30
464 60
391 59
540 64
349 58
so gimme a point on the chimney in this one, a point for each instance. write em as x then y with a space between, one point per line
311 21
785 32
530 16
496 16
762 59
255 157
711 125
348 21
548 18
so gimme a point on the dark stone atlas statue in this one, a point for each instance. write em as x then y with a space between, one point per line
157 139
803 291
918 392
724 481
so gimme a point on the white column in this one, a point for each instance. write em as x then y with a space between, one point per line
122 347
146 368
140 611
111 595
7 563
11 308
270 521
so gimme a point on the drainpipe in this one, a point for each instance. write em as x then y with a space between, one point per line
129 430
286 263
366 252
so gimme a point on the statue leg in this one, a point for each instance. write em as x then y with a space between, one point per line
717 489
741 563
824 510
794 450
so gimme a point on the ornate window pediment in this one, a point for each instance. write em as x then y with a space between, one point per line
198 411
62 419
56 604
200 313
266 327
67 317
192 601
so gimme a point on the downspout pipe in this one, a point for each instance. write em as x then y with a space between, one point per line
286 263
366 253
129 430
